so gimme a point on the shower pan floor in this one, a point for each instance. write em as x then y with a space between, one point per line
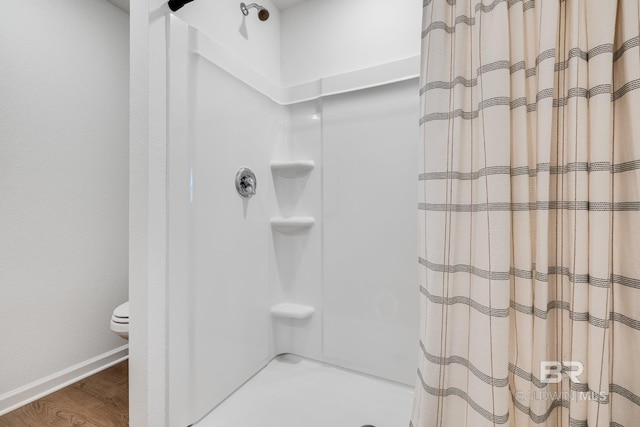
295 392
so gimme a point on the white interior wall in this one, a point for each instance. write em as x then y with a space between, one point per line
147 214
218 264
255 43
232 126
295 269
63 184
356 266
258 46
321 38
370 274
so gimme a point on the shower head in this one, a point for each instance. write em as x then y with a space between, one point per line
177 4
263 14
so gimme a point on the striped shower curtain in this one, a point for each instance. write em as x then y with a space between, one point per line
529 214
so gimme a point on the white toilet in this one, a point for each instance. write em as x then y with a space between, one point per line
120 320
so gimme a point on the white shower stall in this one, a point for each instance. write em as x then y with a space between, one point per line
320 264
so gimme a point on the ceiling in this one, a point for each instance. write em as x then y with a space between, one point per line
280 4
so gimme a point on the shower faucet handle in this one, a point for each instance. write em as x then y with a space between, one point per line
246 183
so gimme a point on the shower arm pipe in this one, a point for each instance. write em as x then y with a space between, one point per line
175 5
246 7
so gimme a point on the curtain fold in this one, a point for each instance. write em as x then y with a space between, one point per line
529 214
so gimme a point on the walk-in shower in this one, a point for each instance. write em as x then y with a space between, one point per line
295 304
302 300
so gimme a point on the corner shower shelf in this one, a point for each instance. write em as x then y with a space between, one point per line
289 310
292 169
293 225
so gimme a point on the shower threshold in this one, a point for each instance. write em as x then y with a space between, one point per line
292 391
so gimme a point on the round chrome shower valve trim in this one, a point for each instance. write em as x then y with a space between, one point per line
246 182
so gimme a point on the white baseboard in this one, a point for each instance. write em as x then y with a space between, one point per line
37 389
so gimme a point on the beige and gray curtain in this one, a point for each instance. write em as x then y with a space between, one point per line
530 214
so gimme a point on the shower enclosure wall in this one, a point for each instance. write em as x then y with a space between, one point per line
321 261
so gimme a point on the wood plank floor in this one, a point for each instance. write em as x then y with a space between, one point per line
101 400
